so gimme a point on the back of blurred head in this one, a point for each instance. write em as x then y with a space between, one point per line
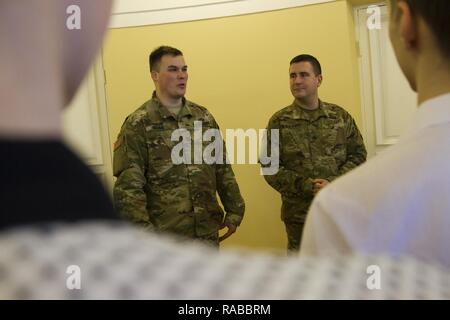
419 32
43 62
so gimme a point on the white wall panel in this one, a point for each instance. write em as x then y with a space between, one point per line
81 123
388 102
85 124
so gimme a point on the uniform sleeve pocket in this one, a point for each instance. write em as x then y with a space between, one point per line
120 159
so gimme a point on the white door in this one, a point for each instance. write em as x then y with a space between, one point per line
85 125
388 103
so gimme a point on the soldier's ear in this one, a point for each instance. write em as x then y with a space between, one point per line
154 75
319 79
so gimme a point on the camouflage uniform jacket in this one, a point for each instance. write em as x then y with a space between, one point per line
153 191
323 143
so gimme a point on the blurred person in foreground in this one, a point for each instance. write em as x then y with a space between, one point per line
399 203
42 63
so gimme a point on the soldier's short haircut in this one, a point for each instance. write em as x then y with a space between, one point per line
155 57
436 14
308 58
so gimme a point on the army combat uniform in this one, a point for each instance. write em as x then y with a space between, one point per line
154 192
323 143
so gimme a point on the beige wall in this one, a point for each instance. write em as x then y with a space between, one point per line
238 68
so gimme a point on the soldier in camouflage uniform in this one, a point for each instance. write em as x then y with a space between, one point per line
319 141
150 189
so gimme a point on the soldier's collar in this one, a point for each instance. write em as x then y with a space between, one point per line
310 115
323 108
185 109
165 113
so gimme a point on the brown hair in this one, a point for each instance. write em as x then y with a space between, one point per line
306 57
155 57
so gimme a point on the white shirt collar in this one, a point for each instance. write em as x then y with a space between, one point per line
433 112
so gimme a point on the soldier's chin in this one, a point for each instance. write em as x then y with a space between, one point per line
181 92
299 96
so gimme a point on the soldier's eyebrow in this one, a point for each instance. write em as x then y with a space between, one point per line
176 67
301 73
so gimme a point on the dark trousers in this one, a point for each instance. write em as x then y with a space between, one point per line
294 232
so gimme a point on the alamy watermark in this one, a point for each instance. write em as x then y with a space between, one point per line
373 282
374 19
73 21
213 153
73 281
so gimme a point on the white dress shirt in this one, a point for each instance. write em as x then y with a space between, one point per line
397 203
